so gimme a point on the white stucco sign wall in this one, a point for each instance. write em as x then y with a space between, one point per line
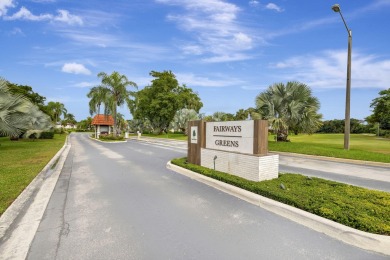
232 136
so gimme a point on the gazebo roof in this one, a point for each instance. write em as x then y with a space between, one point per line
103 120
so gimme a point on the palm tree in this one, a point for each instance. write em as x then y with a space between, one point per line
69 119
117 93
289 106
182 117
17 113
55 110
98 96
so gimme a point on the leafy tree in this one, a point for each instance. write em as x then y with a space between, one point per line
142 125
28 93
244 114
160 101
336 126
182 116
381 110
222 116
18 114
85 124
241 114
116 93
289 107
121 123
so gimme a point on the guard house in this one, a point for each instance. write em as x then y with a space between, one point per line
103 124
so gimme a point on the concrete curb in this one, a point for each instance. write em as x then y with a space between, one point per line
364 240
113 142
20 221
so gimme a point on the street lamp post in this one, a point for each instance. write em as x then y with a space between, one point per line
347 129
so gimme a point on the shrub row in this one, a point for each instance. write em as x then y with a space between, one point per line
46 135
356 207
111 137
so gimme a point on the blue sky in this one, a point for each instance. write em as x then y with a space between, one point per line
226 50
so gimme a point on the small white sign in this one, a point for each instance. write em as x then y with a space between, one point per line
194 134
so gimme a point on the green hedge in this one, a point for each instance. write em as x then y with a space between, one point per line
356 207
46 135
111 137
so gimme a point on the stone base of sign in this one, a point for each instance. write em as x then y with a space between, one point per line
250 167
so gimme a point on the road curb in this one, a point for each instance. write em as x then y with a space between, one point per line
364 240
22 218
106 142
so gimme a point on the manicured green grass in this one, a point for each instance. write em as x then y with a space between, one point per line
20 163
362 147
168 136
359 208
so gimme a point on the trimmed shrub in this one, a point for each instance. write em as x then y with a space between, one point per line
47 135
111 137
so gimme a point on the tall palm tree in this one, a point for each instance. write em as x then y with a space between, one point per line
117 93
289 106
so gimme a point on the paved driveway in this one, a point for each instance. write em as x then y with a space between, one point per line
118 201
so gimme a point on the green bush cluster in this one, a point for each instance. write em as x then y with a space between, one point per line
46 135
111 137
356 207
59 130
82 130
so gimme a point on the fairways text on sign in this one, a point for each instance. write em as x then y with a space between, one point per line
232 136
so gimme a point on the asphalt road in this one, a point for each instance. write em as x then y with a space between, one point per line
118 201
367 176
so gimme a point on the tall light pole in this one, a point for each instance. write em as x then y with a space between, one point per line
347 129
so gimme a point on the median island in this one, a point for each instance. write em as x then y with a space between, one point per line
356 207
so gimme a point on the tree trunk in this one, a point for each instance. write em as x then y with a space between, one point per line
281 135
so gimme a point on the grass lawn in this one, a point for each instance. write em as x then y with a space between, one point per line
20 163
356 207
362 147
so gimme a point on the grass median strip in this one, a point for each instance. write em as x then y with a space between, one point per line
356 207
20 163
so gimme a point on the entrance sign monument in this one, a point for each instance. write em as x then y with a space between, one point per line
236 147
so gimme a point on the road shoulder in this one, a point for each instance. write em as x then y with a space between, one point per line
20 221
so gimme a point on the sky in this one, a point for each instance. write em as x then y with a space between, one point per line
228 51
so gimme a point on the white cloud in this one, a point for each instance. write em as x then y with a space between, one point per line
75 68
86 84
272 6
215 29
63 17
200 81
17 31
25 14
254 3
43 1
4 5
328 70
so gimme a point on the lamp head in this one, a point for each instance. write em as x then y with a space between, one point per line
336 8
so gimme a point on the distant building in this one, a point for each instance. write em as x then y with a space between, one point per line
103 124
